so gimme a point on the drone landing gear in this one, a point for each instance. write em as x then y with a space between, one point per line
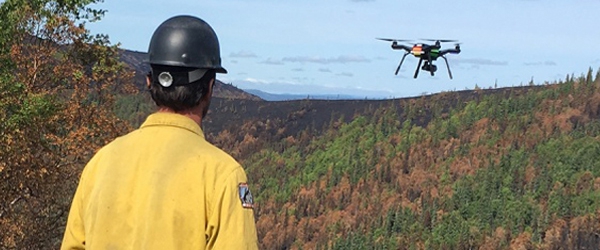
401 61
418 66
448 66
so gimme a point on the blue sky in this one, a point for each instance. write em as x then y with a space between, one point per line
329 47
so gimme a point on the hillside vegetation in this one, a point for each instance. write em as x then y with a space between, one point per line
56 82
500 171
513 168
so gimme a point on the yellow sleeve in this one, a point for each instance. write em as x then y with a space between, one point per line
74 237
231 223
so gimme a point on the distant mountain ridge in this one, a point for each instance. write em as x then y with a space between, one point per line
289 97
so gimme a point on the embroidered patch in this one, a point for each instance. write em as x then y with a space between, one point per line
246 196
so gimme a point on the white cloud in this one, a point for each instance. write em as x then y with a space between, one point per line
255 81
272 61
299 79
321 60
345 74
477 61
545 63
243 54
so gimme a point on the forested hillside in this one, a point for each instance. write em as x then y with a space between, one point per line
512 168
518 170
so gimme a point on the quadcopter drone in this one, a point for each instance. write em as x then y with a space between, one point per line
425 52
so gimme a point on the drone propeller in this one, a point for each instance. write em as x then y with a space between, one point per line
393 40
440 40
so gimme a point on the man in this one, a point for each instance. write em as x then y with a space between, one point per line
163 186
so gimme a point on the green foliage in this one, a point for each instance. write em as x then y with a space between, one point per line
133 108
34 108
571 165
496 196
361 241
346 152
454 232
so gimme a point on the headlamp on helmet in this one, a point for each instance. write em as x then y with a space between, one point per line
177 78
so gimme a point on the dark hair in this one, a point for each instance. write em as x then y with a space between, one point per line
179 97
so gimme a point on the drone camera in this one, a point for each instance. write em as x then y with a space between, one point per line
429 67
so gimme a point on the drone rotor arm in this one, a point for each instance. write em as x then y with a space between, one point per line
442 53
446 51
396 46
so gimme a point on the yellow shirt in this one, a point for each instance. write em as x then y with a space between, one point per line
162 186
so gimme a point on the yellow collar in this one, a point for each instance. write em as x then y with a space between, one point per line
174 120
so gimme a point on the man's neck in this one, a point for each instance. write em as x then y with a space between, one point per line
193 114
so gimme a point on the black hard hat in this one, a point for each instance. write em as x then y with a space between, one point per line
185 41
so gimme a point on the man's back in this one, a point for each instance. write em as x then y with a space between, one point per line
161 187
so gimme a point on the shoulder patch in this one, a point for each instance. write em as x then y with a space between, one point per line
246 196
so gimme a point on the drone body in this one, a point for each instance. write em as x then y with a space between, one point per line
425 52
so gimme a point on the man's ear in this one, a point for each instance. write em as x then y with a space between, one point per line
211 84
148 80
